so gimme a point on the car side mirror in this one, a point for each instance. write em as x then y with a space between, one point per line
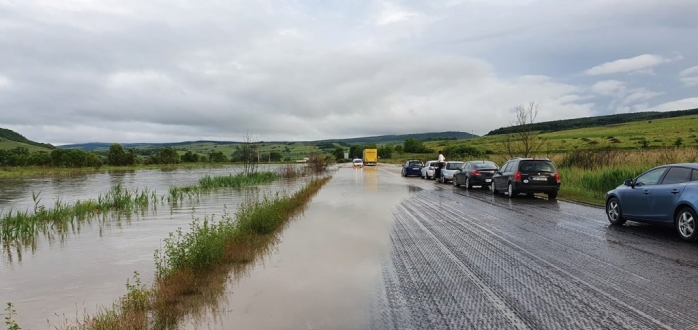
628 182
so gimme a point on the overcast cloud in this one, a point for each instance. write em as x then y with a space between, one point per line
74 71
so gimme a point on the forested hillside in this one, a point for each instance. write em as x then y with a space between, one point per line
561 125
11 135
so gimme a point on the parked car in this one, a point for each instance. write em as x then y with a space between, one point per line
429 169
665 195
475 173
527 175
412 167
450 168
358 162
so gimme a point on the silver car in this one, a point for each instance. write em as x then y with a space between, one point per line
448 171
428 169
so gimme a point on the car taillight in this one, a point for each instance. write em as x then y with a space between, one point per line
558 178
476 172
517 175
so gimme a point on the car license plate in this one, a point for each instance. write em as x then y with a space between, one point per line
488 180
416 168
540 178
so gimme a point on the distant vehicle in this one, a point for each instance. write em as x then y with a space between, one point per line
370 157
358 162
412 167
448 171
475 173
665 195
527 175
428 170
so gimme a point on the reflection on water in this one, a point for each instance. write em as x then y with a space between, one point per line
326 265
370 177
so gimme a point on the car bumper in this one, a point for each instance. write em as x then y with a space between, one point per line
522 187
480 181
410 171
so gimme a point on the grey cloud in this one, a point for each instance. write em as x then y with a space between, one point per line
161 71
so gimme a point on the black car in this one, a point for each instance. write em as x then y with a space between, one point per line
475 173
527 175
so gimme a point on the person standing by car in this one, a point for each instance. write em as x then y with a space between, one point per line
441 163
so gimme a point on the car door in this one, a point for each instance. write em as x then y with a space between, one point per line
636 201
463 173
499 179
666 194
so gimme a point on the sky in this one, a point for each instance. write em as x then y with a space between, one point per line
123 71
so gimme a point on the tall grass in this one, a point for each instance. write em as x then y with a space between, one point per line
588 174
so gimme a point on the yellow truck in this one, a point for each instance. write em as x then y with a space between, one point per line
370 157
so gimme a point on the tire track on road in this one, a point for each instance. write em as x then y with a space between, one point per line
453 266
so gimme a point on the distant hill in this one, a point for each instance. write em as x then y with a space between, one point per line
97 146
567 124
10 135
400 138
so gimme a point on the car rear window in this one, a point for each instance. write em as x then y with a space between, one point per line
454 166
536 166
415 163
481 166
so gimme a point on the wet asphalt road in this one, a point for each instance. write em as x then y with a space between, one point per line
465 259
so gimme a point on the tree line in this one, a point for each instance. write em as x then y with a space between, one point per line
117 155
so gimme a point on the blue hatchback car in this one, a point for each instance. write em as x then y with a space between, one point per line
412 167
666 195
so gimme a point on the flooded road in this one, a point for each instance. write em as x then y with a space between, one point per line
378 251
374 250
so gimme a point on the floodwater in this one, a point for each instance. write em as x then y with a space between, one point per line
375 250
60 280
326 269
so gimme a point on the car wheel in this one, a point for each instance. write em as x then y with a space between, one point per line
455 181
552 195
686 224
493 189
531 195
510 190
614 212
467 183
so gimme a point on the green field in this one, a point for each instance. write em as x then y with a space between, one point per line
658 133
6 144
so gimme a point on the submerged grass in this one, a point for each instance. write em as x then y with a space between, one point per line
193 265
23 225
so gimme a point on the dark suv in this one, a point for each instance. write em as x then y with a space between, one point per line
527 175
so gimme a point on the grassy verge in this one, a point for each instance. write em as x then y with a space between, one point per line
590 186
192 267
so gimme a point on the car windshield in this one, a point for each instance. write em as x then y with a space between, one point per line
454 165
537 166
415 163
358 161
